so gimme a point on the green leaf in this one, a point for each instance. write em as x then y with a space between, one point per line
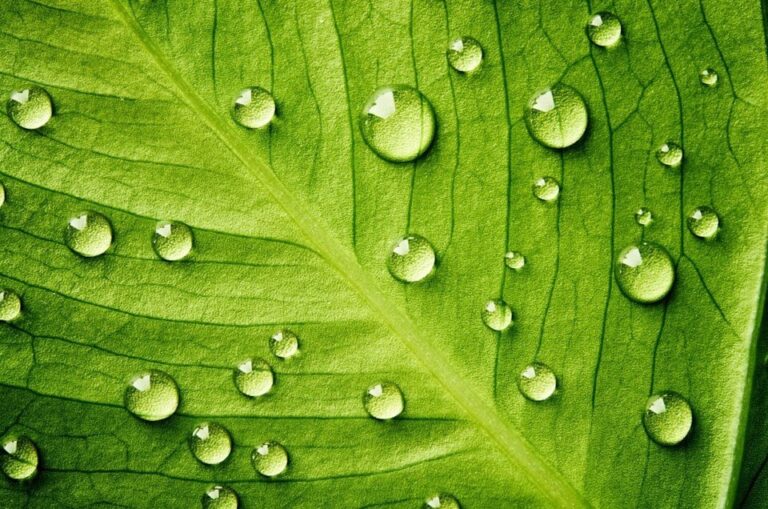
293 226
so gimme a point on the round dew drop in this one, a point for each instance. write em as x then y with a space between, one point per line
442 501
644 272
604 29
383 401
643 216
557 118
667 418
2 195
514 260
708 77
537 382
497 315
152 396
398 123
10 305
465 54
18 458
704 222
270 459
284 344
254 377
220 497
254 108
670 154
412 259
210 443
546 189
89 234
30 108
172 241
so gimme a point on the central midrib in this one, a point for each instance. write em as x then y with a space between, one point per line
511 443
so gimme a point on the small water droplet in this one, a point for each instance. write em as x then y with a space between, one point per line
643 216
704 222
537 382
557 118
412 259
670 154
398 123
465 54
383 401
152 396
546 189
220 497
210 443
254 108
18 457
284 344
89 234
10 305
270 459
442 501
604 29
668 418
644 272
514 260
30 108
497 315
2 195
172 240
708 77
254 377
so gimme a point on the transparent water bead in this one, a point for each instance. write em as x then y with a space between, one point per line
670 154
412 259
604 29
10 305
254 377
465 54
708 77
383 401
89 234
537 382
643 216
30 108
220 497
514 260
398 123
546 189
254 108
19 458
2 195
644 272
210 443
704 222
152 396
270 459
497 315
442 501
284 344
668 418
557 118
172 240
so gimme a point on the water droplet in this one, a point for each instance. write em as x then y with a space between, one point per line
254 108
514 260
152 396
668 418
708 77
270 459
254 377
644 272
442 501
497 315
284 344
210 443
383 401
465 54
537 382
398 123
604 29
172 240
412 259
18 458
220 497
557 118
30 108
546 189
643 216
2 195
89 234
670 154
10 305
704 222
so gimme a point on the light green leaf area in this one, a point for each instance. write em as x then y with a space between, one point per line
293 225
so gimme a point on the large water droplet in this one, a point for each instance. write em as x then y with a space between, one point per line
497 315
270 459
152 396
254 108
284 344
30 108
537 382
465 54
557 118
219 497
210 443
604 29
514 260
643 216
89 234
670 154
704 222
383 401
172 240
442 501
18 458
10 305
668 418
412 259
2 195
644 272
546 189
708 77
398 123
254 377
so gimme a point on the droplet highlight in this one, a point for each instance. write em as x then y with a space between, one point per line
514 260
89 234
210 443
270 459
465 54
284 344
497 315
708 77
383 401
19 458
220 497
412 259
442 501
644 217
30 108
254 377
152 396
604 30
670 154
10 305
172 240
537 382
704 222
546 189
254 108
644 272
557 118
668 418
